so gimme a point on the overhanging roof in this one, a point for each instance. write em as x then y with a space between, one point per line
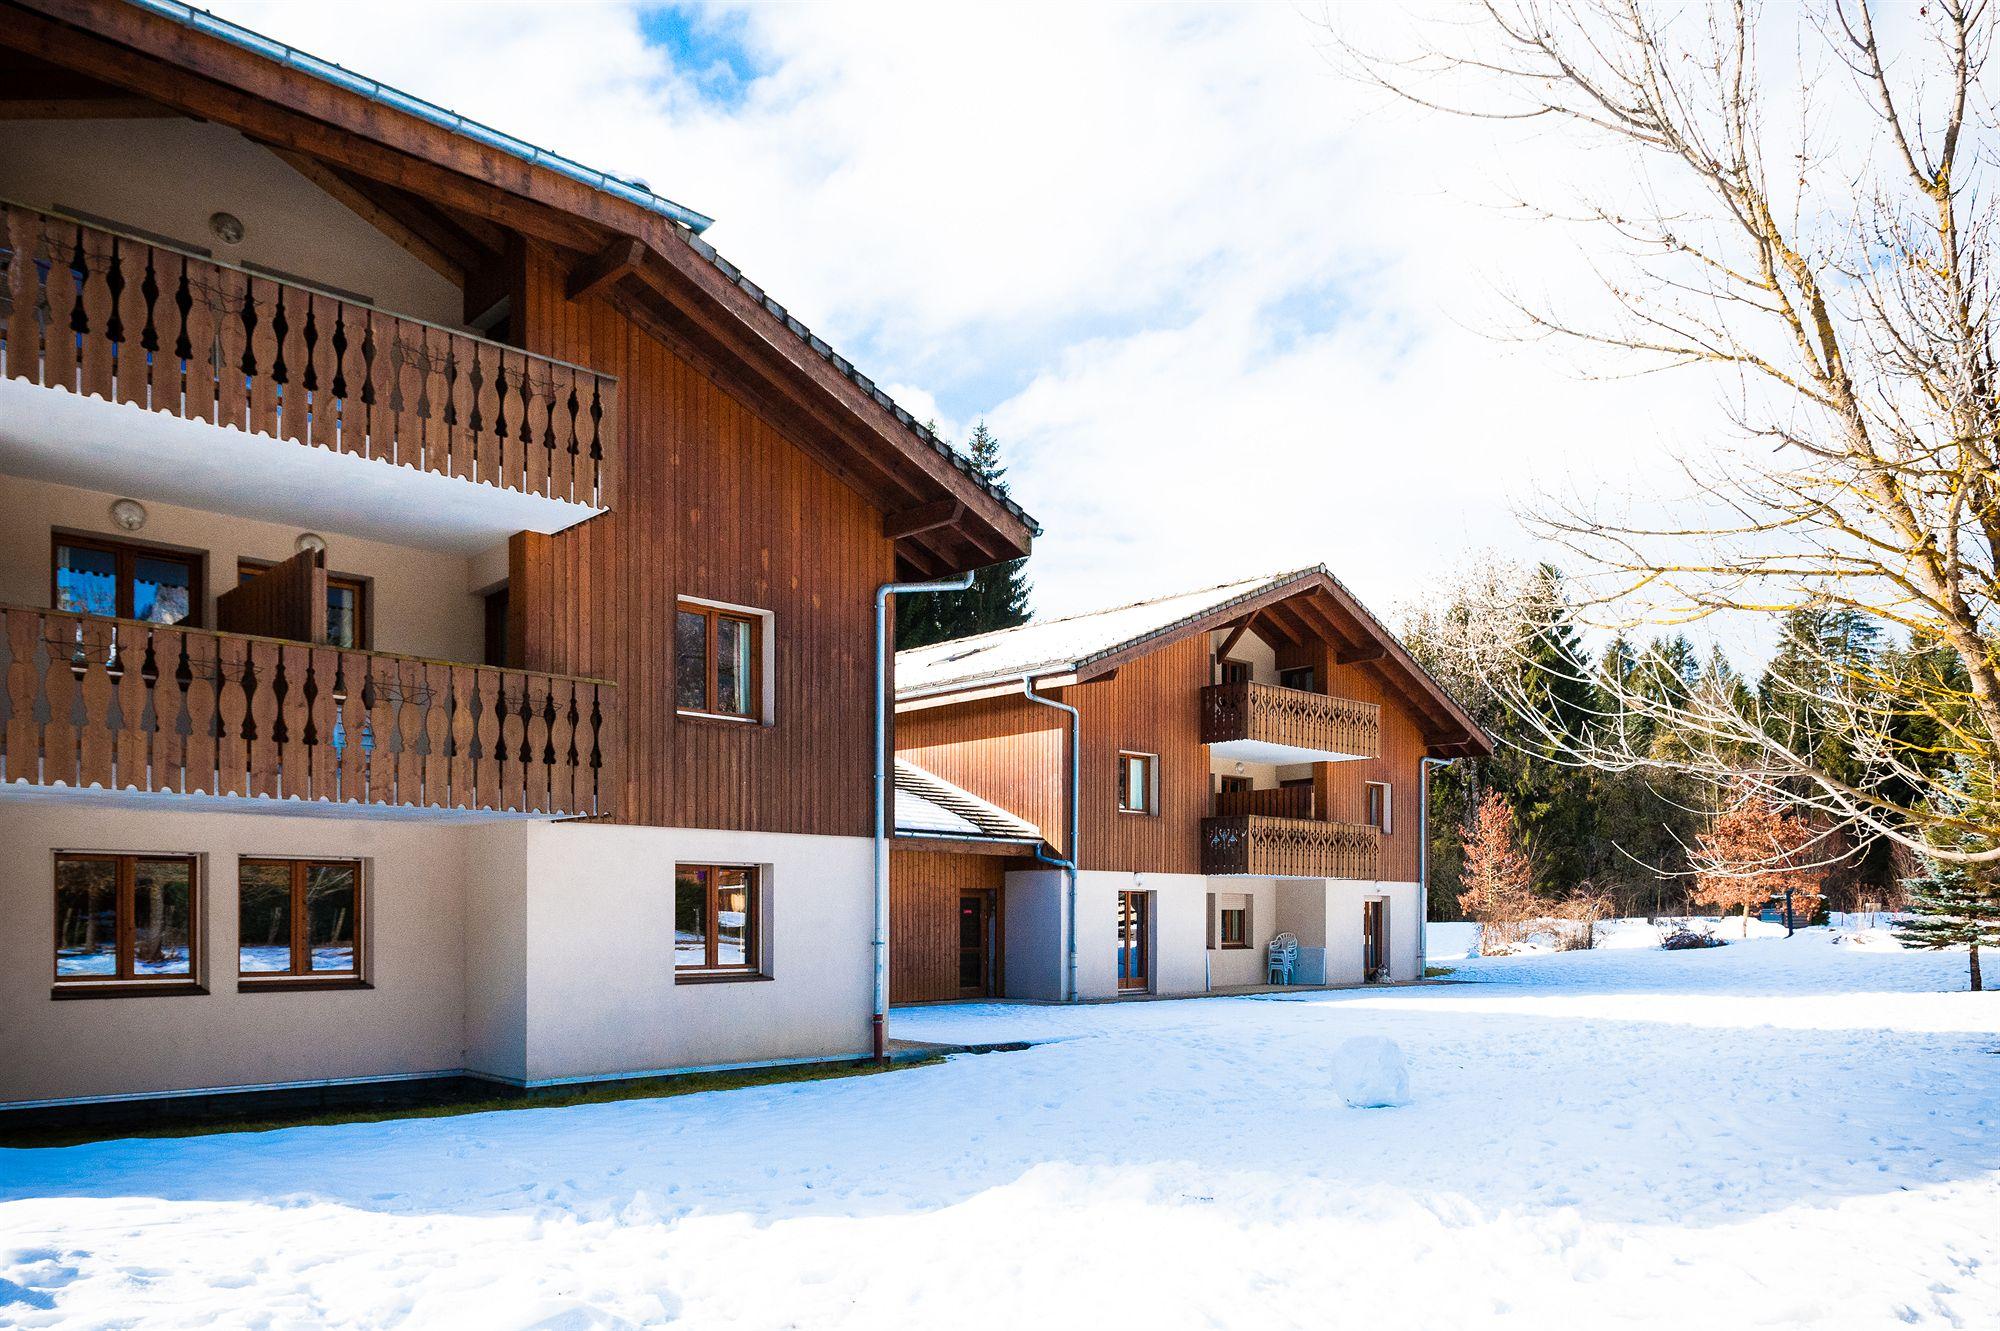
1087 646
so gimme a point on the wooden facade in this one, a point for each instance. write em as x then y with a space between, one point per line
925 888
1161 699
734 457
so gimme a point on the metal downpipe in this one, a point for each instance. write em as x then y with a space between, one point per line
1072 817
879 1019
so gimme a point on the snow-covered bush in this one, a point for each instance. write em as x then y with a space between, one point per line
1683 935
1369 1073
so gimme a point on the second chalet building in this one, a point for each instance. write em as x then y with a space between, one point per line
436 594
1249 760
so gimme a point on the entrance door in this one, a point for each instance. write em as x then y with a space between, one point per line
1135 952
977 939
1375 940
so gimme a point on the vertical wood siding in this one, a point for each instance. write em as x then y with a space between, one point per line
1007 750
923 918
1152 705
711 502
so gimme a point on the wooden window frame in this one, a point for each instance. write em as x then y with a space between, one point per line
1149 805
124 981
125 551
364 598
1241 942
1385 824
751 967
1248 670
711 690
296 977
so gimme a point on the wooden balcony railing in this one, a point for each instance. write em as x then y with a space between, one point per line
1281 802
127 320
128 705
1289 848
1295 718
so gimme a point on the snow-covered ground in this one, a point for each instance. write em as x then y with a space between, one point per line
1780 1132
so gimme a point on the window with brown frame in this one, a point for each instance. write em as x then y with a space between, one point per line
1233 930
347 617
715 918
95 575
1376 812
129 919
1235 672
298 920
718 661
1138 781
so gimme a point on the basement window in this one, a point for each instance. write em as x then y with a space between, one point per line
127 920
717 919
298 920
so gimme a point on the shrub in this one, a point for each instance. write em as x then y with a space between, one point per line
1682 935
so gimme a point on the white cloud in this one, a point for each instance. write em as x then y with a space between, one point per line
1215 302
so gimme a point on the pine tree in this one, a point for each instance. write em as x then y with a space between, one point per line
998 596
1955 906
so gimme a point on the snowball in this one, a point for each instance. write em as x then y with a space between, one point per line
1369 1073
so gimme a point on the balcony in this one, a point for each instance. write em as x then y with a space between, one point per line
129 706
1278 802
1263 723
1266 847
223 388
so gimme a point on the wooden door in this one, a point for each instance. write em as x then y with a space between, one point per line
1135 948
1374 940
978 945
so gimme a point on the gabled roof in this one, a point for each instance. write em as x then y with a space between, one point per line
622 241
928 805
1084 646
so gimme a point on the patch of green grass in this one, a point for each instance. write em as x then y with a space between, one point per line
594 1093
1436 972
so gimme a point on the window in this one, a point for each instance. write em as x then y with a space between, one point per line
1138 775
1235 672
96 576
717 661
125 918
1375 811
1228 920
1300 677
346 605
715 918
298 919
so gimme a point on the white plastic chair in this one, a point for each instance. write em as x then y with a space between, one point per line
1281 959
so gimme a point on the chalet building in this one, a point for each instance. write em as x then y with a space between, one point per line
437 594
1249 760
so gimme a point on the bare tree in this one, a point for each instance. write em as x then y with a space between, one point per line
1815 225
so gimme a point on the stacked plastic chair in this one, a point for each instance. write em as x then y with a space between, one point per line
1281 958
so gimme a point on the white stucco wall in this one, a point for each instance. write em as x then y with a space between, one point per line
600 991
408 1022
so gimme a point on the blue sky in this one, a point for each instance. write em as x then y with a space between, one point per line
1226 312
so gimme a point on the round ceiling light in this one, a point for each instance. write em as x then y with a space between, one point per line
228 227
129 514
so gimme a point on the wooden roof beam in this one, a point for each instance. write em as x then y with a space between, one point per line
618 258
357 201
1236 635
923 518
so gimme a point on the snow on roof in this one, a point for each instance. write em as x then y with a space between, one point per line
1056 646
926 803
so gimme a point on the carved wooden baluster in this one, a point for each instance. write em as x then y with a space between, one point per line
562 734
21 325
23 755
350 726
59 350
464 736
562 457
538 743
583 742
383 701
293 718
233 305
134 370
409 733
262 368
167 688
236 685
60 756
214 740
295 364
437 733
485 703
199 299
97 370
135 722
513 733
325 369
460 370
